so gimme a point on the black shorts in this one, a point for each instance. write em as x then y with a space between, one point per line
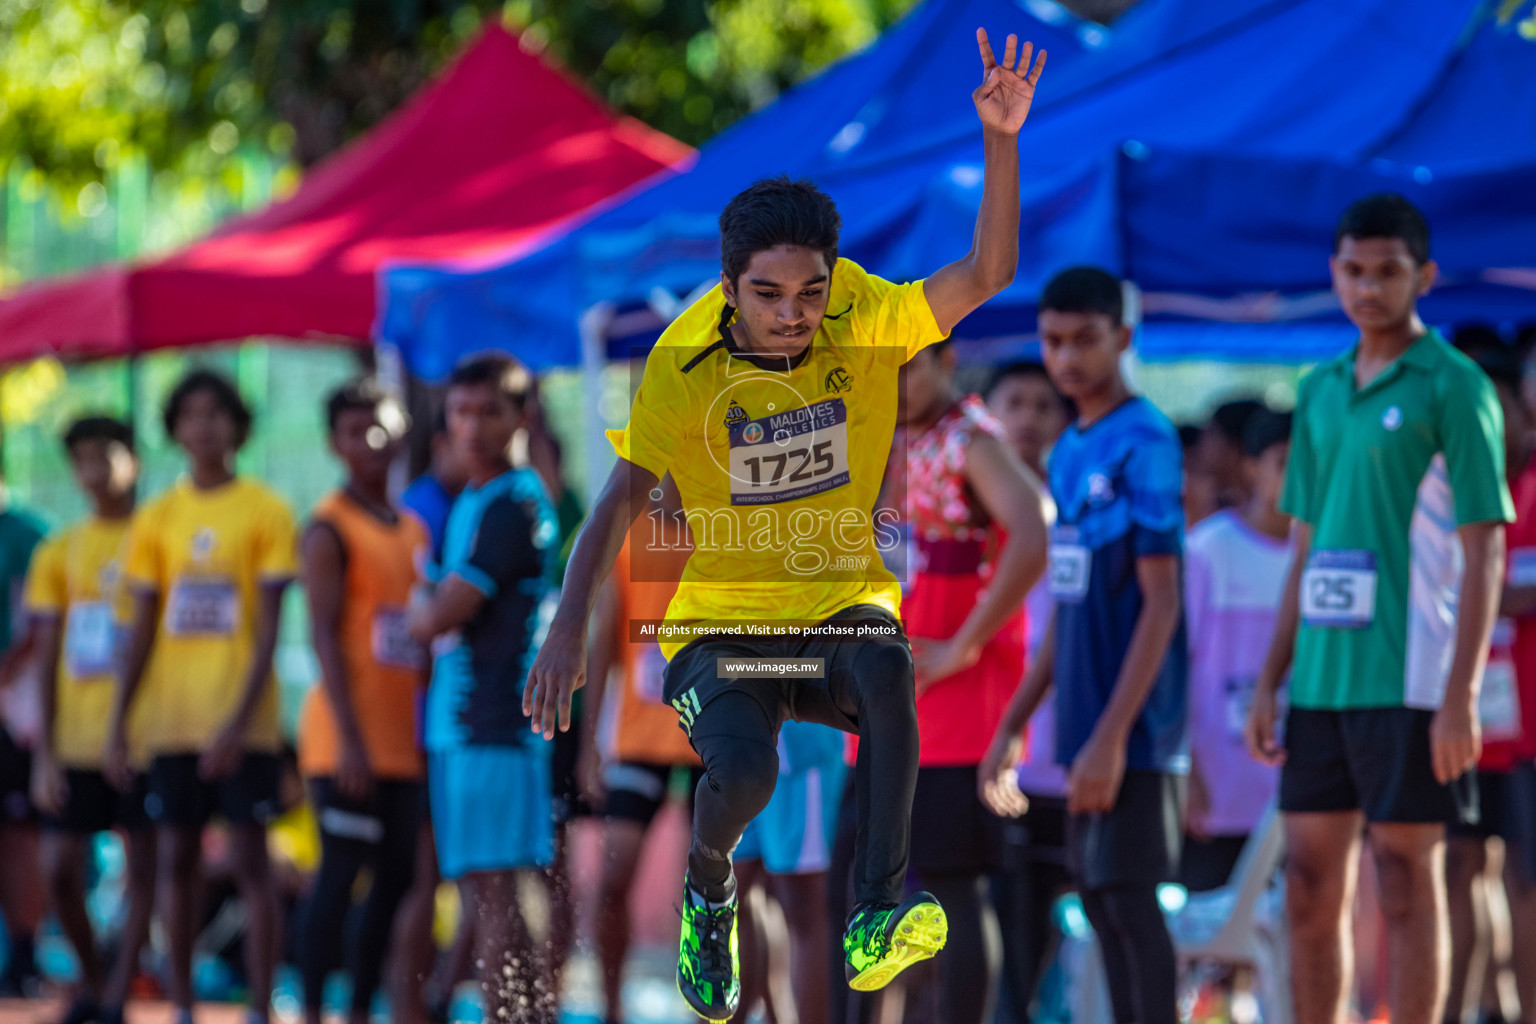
1038 839
392 811
1137 842
15 781
1375 760
95 805
1507 802
952 830
1207 864
637 791
178 796
692 678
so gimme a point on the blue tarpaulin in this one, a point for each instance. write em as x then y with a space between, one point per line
1202 147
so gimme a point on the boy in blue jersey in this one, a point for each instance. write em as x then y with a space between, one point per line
1115 652
488 775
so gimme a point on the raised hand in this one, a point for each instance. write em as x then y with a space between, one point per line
1007 89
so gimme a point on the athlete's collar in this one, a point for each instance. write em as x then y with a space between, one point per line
728 343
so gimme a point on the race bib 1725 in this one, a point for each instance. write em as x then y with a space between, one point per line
202 607
790 455
1338 589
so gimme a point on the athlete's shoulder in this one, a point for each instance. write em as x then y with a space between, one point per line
260 495
158 508
1212 535
1145 422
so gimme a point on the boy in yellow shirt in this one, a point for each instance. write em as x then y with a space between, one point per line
71 594
206 564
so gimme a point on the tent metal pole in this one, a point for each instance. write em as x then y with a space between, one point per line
593 326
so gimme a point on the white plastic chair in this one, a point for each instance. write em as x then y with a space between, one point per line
1241 925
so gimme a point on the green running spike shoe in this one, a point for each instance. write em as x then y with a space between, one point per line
708 975
884 939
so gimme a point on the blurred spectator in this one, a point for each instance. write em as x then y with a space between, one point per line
1478 340
1221 450
1199 486
1235 570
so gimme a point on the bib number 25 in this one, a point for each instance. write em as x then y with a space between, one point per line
1338 589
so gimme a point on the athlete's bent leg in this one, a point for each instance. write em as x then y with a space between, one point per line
1322 853
1410 870
737 741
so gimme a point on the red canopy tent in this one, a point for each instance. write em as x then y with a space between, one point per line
498 150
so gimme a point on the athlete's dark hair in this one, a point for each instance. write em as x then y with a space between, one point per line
777 211
1231 419
1502 368
1386 215
440 420
97 428
1085 290
1266 428
1028 368
1189 435
502 372
363 393
224 393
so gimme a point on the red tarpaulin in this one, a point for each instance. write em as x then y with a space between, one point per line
498 150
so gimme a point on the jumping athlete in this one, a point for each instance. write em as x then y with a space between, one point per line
772 401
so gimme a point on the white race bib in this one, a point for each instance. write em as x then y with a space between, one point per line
1070 565
392 644
91 637
202 607
1338 589
790 455
650 671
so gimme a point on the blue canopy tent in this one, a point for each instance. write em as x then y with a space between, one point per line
1116 135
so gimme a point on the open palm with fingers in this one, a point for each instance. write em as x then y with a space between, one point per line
1008 88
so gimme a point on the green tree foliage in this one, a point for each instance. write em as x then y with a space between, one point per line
187 85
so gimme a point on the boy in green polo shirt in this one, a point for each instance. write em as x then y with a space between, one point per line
1388 611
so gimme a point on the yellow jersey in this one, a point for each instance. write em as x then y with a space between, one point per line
74 578
206 554
779 462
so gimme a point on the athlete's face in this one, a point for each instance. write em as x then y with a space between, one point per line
482 421
925 382
104 469
205 429
780 299
369 441
1029 409
1081 351
1378 282
1266 474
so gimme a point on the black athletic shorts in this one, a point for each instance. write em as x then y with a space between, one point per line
179 796
1039 837
1520 819
1375 760
636 791
952 830
1207 864
392 808
94 805
692 678
1137 842
15 781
